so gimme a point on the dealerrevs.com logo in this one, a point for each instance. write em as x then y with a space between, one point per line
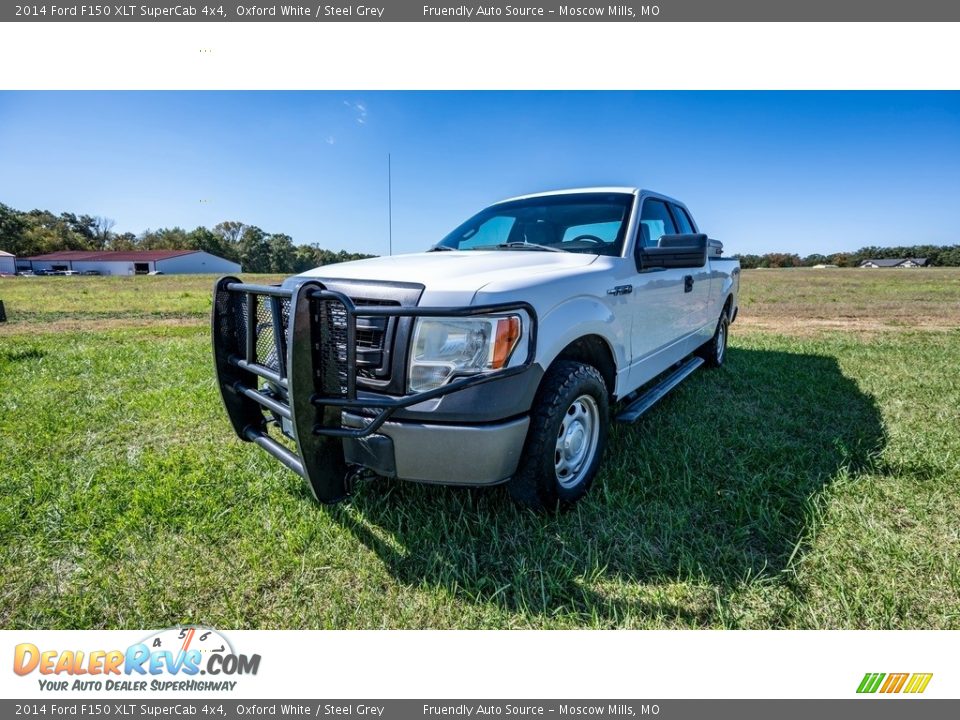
172 659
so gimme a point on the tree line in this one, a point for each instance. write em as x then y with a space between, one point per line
941 255
37 232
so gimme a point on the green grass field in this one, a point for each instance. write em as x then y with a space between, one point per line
813 482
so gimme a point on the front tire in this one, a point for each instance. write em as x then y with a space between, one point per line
565 442
714 352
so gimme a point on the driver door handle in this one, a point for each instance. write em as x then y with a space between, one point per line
620 290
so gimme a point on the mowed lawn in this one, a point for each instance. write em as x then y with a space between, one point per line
813 482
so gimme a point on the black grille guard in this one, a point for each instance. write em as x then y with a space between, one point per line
302 343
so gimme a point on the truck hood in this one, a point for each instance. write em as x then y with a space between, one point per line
455 271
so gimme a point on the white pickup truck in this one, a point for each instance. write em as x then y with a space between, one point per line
494 357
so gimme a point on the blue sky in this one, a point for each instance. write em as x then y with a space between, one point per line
763 171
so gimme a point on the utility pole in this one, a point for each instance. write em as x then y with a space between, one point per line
389 203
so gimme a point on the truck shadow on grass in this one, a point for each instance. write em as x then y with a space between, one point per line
715 487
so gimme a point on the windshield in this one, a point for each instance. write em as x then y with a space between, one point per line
592 223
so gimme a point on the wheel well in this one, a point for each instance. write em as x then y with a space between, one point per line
728 305
593 350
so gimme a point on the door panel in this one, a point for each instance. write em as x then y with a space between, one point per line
699 293
698 299
664 313
658 307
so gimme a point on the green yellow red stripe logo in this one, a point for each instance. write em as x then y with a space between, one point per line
889 683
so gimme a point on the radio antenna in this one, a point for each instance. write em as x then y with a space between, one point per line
389 204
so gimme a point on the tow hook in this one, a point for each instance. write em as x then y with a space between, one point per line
353 474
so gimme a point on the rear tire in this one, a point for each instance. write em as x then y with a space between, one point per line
714 352
565 442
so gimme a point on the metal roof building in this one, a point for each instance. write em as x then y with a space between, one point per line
895 263
134 262
8 263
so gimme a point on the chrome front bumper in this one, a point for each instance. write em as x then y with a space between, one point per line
473 455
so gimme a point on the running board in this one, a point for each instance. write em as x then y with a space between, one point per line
649 397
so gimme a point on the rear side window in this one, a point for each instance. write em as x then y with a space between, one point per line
684 223
655 221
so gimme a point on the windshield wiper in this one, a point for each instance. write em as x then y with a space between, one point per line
527 246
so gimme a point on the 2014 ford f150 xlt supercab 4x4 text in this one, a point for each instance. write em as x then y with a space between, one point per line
493 357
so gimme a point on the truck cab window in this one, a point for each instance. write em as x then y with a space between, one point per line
606 231
684 224
490 233
655 221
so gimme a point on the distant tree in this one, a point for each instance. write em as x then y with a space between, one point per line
12 228
174 238
124 241
101 231
254 249
781 260
282 254
304 258
214 243
231 231
949 256
844 260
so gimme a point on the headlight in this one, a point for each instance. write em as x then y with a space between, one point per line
445 347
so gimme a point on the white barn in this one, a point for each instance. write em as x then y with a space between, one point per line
134 262
8 264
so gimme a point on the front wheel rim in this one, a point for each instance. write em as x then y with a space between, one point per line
577 440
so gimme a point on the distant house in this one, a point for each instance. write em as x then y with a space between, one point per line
896 263
8 264
824 266
136 262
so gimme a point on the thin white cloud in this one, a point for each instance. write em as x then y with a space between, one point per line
330 140
359 109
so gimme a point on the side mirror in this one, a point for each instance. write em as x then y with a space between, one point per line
674 251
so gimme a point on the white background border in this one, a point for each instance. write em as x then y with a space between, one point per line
362 56
488 664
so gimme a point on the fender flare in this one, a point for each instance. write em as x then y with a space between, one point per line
555 332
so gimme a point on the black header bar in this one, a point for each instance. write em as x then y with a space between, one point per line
489 11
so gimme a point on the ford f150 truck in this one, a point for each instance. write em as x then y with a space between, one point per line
493 357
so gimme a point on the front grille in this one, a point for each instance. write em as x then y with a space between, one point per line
374 338
370 339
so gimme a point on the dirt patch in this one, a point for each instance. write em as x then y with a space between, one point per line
803 302
90 325
792 325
